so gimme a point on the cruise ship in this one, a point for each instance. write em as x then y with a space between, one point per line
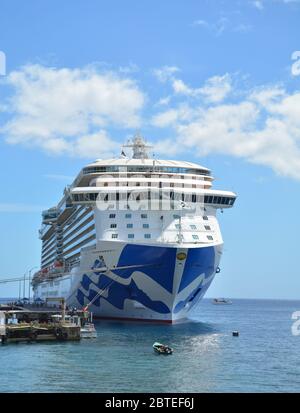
133 237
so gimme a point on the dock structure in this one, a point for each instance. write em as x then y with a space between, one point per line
2 326
41 324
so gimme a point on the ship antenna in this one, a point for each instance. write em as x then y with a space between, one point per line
139 147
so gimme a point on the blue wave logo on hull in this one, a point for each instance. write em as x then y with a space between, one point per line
192 298
199 261
118 293
157 263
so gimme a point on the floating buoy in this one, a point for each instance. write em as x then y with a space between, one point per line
235 333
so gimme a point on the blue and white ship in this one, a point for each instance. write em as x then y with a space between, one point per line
133 238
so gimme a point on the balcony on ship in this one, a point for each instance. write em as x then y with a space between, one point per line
50 215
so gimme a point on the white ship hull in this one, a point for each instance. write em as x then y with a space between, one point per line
137 281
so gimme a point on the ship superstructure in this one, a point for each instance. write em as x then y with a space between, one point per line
133 238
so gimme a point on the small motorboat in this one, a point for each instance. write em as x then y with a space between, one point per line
221 301
88 331
162 348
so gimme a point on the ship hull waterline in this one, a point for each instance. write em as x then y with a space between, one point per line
137 282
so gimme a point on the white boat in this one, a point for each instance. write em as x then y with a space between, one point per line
221 301
162 349
88 331
133 238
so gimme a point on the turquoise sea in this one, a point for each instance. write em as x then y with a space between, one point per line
207 358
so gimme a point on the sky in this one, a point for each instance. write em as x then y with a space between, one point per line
213 82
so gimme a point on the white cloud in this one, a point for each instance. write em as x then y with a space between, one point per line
260 4
165 118
96 143
131 68
217 27
216 129
265 97
288 110
171 116
164 101
222 25
165 73
215 89
66 110
180 87
263 128
166 146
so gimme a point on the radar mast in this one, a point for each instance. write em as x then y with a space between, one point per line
139 147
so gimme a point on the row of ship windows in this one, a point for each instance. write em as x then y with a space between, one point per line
147 236
177 226
144 216
208 199
128 225
131 236
99 169
162 184
223 200
128 216
124 179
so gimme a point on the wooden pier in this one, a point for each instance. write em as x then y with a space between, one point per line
19 324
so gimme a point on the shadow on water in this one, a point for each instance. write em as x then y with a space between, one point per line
195 344
141 333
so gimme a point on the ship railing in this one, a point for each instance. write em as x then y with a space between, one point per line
55 272
72 264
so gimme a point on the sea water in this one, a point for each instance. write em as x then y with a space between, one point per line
206 358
